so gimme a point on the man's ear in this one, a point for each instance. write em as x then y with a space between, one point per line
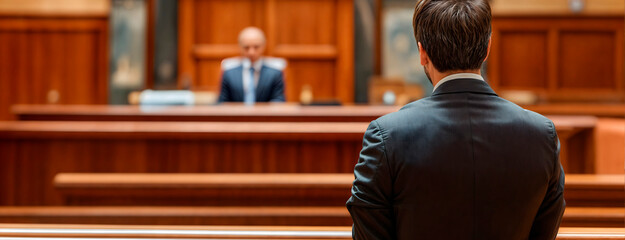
423 56
488 49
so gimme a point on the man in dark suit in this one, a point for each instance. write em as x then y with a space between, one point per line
463 163
252 78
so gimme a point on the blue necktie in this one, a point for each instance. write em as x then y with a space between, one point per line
250 95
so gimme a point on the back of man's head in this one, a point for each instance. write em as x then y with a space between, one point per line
453 33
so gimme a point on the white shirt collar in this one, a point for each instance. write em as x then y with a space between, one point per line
458 76
257 65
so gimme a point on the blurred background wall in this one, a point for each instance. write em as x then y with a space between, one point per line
351 51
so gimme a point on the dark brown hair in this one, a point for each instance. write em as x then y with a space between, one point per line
453 33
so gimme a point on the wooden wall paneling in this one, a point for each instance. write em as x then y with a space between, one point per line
314 36
313 73
208 75
219 22
578 68
493 61
583 58
591 71
345 63
552 59
53 56
271 30
5 86
523 59
186 36
619 63
217 26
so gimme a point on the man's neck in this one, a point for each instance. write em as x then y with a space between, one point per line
438 76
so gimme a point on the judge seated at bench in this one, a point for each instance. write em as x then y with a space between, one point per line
251 77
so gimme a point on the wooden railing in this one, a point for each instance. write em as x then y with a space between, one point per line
272 189
233 232
237 215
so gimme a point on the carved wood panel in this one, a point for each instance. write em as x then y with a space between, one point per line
315 36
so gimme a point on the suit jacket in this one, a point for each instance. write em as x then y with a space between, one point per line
461 164
270 87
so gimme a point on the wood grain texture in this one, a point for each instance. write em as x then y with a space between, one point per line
330 189
561 58
610 138
575 132
594 109
316 38
595 190
55 8
52 60
41 150
37 151
220 113
556 8
228 215
195 215
44 231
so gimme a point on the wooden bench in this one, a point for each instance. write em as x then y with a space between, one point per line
159 215
264 215
595 190
43 231
204 189
271 189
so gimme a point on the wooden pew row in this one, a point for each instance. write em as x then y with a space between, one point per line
186 189
159 215
285 216
44 231
271 189
34 151
595 190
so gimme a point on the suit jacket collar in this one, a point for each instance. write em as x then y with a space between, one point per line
463 85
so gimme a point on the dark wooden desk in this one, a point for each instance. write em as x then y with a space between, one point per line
574 131
34 152
219 113
263 112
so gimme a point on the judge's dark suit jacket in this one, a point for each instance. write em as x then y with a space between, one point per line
270 87
461 164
